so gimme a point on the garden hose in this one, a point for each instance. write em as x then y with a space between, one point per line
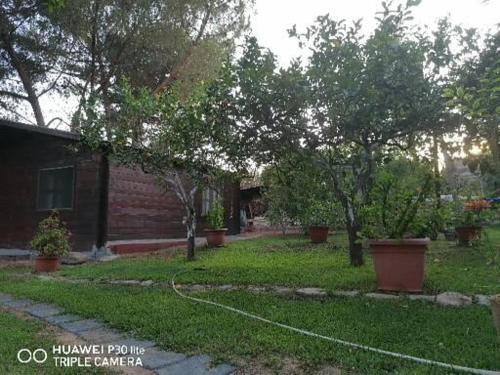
339 341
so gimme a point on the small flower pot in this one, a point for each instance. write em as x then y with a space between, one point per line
216 237
495 309
46 264
318 234
399 264
467 234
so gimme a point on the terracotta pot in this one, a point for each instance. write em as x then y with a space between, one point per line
216 237
318 233
400 264
46 264
495 309
467 234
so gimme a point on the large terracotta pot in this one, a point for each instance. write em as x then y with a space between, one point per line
399 264
46 264
495 310
216 237
318 234
466 234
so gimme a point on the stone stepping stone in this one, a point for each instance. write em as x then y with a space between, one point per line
5 298
18 303
311 292
346 293
101 336
80 325
153 358
42 310
58 319
483 300
197 365
453 299
128 342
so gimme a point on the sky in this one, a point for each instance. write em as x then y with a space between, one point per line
272 18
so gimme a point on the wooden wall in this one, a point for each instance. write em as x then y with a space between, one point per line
22 154
139 209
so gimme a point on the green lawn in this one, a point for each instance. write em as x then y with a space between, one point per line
463 336
17 334
294 261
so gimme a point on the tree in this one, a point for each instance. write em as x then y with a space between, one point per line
290 188
30 55
185 142
151 43
354 101
476 95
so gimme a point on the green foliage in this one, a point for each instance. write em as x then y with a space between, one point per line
476 96
353 102
215 216
52 237
292 187
397 207
323 213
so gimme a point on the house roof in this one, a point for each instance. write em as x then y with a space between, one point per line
38 129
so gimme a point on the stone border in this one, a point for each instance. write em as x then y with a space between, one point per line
453 299
97 333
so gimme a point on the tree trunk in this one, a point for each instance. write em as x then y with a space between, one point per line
191 234
355 246
26 80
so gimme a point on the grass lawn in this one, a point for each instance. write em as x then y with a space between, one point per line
17 334
294 261
462 336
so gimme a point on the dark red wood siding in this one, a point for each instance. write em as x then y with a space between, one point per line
22 154
138 208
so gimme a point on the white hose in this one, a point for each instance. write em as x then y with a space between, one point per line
339 341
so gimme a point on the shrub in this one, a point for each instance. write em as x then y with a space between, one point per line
52 237
215 216
398 205
323 213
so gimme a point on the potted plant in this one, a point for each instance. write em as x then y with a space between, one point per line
216 232
52 242
319 217
395 223
469 223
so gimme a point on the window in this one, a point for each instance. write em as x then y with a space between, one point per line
208 198
55 188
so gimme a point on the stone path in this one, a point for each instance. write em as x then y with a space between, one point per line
97 333
452 299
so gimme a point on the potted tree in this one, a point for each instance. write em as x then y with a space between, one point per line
470 220
216 232
52 242
396 223
320 217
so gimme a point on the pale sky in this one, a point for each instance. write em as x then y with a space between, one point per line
272 18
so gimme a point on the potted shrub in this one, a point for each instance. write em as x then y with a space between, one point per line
469 227
395 224
52 242
216 232
319 217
